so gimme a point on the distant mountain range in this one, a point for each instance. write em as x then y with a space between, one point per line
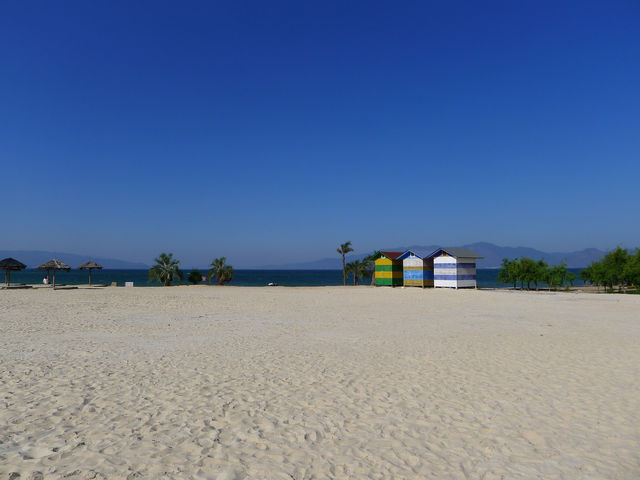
493 255
33 258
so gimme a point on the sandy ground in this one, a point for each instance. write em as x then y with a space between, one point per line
315 383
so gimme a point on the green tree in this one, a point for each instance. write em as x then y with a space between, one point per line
527 271
587 275
571 277
370 261
616 268
358 268
631 271
219 270
556 275
595 274
165 270
195 276
613 265
508 272
540 272
343 250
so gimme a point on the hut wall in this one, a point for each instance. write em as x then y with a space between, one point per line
388 272
417 272
454 272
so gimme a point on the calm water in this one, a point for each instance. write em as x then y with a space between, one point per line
251 278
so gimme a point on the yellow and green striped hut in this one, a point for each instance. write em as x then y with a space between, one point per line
388 269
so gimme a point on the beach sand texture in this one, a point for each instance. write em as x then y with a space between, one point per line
314 383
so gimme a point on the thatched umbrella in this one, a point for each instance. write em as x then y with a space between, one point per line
9 264
90 265
54 265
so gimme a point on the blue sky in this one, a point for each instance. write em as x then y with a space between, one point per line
272 131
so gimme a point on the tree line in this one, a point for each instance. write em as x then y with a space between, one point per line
617 268
360 269
166 270
528 271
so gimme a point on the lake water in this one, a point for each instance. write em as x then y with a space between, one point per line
486 278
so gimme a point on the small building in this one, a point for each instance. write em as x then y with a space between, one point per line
417 267
388 269
454 267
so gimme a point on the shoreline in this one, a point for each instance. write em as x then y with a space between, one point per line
572 290
485 278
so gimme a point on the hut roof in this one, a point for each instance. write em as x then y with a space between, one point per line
11 264
391 255
89 264
54 265
457 253
418 253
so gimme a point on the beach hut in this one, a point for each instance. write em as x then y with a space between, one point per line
417 267
9 264
454 267
388 269
54 265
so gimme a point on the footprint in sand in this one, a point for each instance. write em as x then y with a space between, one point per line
229 474
534 438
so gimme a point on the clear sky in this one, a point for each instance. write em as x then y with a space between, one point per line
272 131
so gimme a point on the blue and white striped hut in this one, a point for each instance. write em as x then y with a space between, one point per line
454 267
417 268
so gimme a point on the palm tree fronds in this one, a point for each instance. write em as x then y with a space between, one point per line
219 270
165 269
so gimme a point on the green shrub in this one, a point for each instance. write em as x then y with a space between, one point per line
195 276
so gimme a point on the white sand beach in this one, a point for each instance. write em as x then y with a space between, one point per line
314 383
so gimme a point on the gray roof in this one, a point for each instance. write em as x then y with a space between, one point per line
460 252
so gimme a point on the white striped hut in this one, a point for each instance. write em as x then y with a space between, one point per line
454 267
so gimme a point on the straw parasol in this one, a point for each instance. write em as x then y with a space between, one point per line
90 265
54 265
9 264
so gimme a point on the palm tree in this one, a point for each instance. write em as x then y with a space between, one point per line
220 270
343 250
165 269
359 269
370 261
